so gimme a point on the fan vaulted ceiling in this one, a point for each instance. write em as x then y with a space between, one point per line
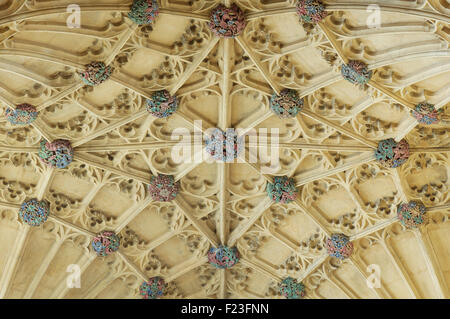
328 149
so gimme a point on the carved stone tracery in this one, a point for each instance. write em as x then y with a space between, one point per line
341 188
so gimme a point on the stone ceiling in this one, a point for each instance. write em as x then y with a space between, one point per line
326 147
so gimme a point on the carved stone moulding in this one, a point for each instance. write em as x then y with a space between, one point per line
105 243
224 146
163 188
291 289
144 11
392 154
339 246
227 22
356 72
223 257
412 214
311 10
286 105
425 113
57 154
153 288
282 190
23 114
34 212
162 104
95 73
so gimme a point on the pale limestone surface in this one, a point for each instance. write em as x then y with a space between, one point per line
327 149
